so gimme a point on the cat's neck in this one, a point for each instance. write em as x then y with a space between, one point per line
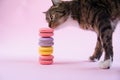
74 9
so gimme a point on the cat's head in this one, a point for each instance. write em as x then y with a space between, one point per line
57 13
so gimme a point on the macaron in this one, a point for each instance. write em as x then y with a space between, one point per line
45 50
46 32
48 41
46 60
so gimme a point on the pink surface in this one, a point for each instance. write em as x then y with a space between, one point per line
20 21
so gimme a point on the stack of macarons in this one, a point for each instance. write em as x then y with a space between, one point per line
46 46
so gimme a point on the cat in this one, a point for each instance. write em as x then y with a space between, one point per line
100 16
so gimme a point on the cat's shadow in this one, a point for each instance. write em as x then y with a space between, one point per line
71 62
84 65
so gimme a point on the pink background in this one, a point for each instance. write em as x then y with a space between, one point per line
20 21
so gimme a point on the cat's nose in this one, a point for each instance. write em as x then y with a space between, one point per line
50 25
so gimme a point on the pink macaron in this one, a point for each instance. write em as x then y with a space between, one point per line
46 32
46 60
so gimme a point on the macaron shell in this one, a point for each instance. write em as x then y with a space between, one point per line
46 34
46 49
42 30
47 58
46 44
45 53
46 62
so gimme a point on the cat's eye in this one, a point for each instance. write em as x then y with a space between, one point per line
59 11
52 17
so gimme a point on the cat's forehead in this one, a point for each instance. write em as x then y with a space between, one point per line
53 8
51 11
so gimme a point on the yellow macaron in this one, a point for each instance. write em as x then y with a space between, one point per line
45 50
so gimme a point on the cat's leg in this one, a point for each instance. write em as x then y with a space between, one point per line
98 51
106 40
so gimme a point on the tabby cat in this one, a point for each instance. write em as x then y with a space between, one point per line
100 16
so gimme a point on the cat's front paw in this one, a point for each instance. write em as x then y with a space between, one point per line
105 64
93 59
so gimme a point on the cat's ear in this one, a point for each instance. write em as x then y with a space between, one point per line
55 1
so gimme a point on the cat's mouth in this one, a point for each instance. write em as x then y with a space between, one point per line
53 26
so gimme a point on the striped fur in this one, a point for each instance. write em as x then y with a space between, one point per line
100 16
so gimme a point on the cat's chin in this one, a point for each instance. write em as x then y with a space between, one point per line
58 27
54 27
